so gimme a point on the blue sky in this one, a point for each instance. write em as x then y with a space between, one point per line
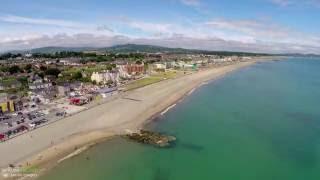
242 25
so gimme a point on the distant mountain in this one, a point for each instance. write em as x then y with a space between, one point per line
126 48
49 50
53 49
133 48
130 48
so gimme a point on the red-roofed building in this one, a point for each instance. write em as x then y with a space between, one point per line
129 70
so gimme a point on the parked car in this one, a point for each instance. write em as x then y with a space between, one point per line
8 124
4 118
60 113
32 125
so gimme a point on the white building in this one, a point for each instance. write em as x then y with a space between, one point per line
184 65
38 86
105 77
172 64
159 67
123 72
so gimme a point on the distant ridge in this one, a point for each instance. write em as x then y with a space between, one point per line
127 48
54 49
134 48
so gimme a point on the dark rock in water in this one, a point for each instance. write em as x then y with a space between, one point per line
152 138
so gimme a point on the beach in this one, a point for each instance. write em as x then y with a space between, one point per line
46 146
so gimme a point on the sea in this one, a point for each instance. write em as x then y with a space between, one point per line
258 123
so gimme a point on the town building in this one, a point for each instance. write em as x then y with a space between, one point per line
130 70
105 77
159 67
39 86
37 83
63 90
6 105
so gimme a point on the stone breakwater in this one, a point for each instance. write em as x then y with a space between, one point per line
152 138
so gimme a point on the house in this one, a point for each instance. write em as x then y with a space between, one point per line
28 55
172 65
35 78
50 78
40 86
17 102
6 105
105 77
159 67
35 82
129 70
63 90
184 65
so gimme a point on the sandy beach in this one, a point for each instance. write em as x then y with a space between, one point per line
46 146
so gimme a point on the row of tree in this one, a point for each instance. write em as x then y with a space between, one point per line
69 54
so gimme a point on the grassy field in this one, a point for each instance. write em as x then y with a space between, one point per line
152 79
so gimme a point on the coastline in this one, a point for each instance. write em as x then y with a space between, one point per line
86 135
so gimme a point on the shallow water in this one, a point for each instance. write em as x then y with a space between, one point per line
261 122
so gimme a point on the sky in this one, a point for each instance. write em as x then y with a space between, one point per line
269 26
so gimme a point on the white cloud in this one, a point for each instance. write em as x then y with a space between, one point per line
38 26
191 2
252 28
282 2
150 27
39 21
287 3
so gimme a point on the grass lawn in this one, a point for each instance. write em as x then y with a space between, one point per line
152 79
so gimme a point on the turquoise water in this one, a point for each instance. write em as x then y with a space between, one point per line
259 123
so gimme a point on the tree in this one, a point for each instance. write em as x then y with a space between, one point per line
28 68
109 67
77 75
14 69
43 68
41 74
4 68
82 61
53 72
23 81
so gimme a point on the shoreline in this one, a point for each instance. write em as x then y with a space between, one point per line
74 144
